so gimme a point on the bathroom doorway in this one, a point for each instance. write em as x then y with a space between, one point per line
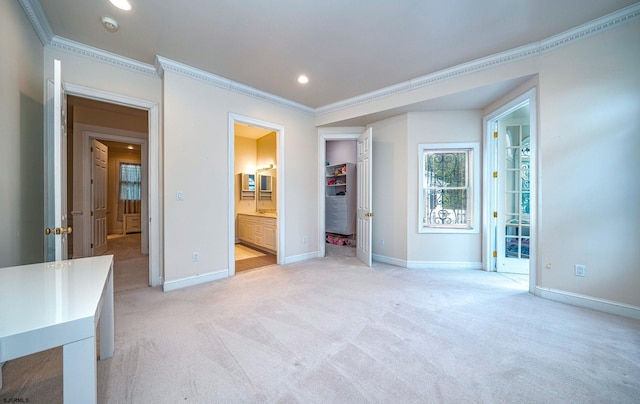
257 194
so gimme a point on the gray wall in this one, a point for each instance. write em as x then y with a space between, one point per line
21 134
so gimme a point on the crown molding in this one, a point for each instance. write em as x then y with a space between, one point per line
596 26
90 52
39 22
583 31
163 65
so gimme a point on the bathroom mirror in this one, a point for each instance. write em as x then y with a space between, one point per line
248 182
266 190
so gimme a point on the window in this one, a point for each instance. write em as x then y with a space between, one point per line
130 182
448 201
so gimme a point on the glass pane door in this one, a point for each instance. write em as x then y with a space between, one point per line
513 210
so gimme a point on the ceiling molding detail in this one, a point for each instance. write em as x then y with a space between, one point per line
38 20
90 52
164 64
591 28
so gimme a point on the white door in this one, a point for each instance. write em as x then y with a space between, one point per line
363 221
56 167
99 166
513 236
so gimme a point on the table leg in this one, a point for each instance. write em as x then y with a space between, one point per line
80 372
106 322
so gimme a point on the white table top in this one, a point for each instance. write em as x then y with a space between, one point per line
52 297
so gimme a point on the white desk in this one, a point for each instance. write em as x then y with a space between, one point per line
43 306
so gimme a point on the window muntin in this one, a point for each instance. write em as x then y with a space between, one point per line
447 197
130 181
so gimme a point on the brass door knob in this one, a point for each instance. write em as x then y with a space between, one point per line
58 230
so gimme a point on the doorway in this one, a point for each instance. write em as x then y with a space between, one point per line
511 186
340 191
257 199
106 220
364 148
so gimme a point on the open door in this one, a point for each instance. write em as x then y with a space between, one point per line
56 168
514 193
364 213
99 166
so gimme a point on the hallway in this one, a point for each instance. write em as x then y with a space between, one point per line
131 268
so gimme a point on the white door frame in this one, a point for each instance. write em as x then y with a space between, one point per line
155 222
352 134
280 165
489 191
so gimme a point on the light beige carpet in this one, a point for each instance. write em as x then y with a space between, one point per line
130 266
330 330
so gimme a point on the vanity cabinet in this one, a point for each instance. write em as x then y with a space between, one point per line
258 231
340 199
131 223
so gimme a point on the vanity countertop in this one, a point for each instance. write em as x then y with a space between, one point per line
258 214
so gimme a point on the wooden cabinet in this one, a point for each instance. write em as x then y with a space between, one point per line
131 223
258 231
340 199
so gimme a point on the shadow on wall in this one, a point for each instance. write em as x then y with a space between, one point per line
31 182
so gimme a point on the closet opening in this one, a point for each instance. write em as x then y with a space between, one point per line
340 193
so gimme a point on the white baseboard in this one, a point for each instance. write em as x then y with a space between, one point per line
426 264
195 280
301 257
588 302
444 265
389 260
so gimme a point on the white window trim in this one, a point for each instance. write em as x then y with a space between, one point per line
474 176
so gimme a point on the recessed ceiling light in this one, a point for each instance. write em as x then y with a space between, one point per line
302 79
110 24
121 4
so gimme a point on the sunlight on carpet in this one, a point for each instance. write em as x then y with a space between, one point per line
244 252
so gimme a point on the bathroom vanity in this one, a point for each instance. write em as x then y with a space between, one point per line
258 230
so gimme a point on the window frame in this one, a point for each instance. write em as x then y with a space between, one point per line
122 183
473 186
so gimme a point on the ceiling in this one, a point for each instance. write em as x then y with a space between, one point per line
347 48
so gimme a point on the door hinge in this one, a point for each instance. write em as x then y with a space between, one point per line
91 181
495 214
91 245
495 174
91 149
91 213
495 134
495 254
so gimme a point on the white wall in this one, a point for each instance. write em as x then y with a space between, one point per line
590 145
434 249
389 205
245 163
196 162
21 128
341 151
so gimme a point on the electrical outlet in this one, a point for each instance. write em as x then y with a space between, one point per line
381 241
179 196
196 257
305 240
581 270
